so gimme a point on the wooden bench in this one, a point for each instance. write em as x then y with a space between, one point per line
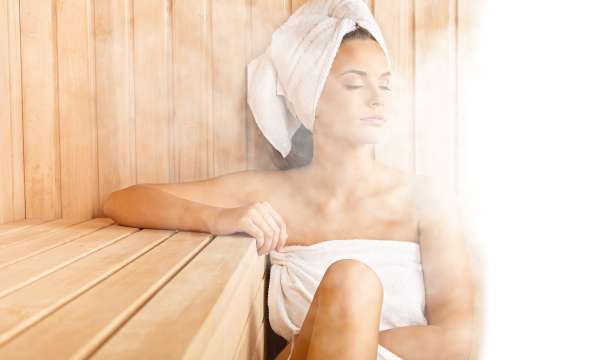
81 289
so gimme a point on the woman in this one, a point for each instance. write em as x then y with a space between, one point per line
342 194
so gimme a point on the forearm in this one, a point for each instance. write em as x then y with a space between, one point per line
145 207
425 342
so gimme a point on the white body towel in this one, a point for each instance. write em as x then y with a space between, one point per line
297 270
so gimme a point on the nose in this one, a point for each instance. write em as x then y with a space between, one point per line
375 100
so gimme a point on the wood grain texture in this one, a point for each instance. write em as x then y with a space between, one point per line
117 92
192 89
12 193
180 321
253 331
396 20
435 90
231 52
40 109
27 247
17 226
76 86
174 294
38 300
152 71
42 229
63 335
115 110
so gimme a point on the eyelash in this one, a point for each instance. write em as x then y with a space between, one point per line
356 87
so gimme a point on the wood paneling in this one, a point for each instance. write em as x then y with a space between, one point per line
435 89
115 110
396 20
40 109
100 95
152 69
231 52
76 87
192 89
12 197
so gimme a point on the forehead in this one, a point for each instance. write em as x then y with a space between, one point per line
366 55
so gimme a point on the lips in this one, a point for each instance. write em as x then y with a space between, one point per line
375 119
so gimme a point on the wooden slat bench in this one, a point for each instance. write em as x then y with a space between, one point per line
95 289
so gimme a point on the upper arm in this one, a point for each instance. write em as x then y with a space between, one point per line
445 257
228 190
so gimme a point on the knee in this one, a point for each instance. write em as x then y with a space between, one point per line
353 283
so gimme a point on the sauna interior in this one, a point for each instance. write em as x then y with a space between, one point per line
99 95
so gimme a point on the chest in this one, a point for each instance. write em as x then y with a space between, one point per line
386 217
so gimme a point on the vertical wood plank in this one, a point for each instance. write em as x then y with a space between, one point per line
435 90
40 109
152 108
78 148
6 147
231 52
267 16
396 20
16 110
468 12
192 88
114 95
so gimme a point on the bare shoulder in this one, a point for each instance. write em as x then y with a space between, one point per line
436 200
228 190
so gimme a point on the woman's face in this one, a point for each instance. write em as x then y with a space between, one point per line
358 86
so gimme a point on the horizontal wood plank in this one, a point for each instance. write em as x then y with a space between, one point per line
181 319
14 227
28 305
34 231
20 274
108 305
36 244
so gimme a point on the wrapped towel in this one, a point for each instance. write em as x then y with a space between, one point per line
297 270
285 82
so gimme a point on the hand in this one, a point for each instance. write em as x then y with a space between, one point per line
259 220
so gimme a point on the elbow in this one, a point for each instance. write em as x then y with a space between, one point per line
111 206
108 207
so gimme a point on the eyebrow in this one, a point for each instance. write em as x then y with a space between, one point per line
362 73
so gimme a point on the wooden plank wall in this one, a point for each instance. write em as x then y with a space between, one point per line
99 95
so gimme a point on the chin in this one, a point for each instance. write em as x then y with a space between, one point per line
374 137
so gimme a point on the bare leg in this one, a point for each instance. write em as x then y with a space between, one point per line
343 319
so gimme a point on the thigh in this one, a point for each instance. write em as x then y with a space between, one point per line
336 272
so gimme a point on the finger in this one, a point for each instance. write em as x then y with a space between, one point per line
270 220
282 226
255 232
266 230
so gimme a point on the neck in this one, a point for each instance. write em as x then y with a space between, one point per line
341 172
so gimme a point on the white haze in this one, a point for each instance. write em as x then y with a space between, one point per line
532 158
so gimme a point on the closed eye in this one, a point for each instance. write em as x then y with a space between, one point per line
356 87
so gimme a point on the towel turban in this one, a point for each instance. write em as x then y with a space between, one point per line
286 81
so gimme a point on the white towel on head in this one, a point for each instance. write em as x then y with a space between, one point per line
296 272
286 81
